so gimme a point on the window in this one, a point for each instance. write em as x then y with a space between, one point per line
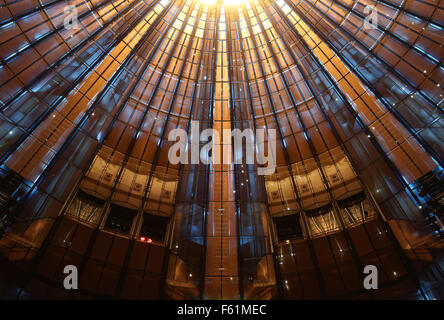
288 227
154 227
322 221
356 209
120 219
86 208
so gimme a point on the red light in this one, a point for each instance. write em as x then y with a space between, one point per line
144 239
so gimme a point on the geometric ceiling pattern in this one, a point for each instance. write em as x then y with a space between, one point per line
90 93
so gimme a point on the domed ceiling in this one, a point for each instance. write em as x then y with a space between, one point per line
90 91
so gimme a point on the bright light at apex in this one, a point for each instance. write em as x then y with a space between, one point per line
226 2
233 2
